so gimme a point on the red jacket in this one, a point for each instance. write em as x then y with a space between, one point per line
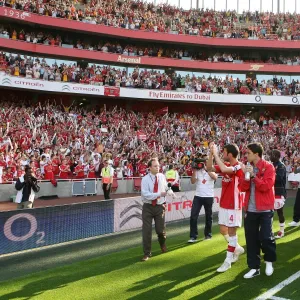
264 186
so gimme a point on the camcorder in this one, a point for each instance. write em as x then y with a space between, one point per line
198 163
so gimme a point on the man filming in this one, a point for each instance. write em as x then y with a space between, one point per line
204 197
26 186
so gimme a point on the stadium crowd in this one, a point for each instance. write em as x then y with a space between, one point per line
120 47
138 15
68 141
29 67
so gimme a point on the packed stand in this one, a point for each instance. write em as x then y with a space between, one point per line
138 15
35 68
62 141
119 47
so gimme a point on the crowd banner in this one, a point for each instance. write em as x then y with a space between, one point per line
128 211
209 97
111 91
96 90
38 227
50 86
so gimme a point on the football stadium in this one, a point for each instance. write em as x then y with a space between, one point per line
150 149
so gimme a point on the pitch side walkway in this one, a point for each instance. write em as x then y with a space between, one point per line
5 206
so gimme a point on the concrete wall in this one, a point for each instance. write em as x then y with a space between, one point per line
64 188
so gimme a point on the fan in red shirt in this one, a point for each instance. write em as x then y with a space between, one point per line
79 170
39 175
189 170
91 172
231 202
2 161
49 174
11 164
9 174
4 177
142 169
64 170
55 164
19 172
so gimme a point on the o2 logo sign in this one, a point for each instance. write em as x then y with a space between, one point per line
32 229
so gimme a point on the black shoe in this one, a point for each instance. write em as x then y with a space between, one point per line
192 240
252 273
207 238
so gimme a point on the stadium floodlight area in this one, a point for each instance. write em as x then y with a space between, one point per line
275 6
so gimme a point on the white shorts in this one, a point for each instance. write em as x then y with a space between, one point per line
279 202
230 217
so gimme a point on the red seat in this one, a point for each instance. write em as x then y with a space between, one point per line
137 184
114 185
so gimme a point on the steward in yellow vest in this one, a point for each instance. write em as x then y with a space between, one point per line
172 176
107 174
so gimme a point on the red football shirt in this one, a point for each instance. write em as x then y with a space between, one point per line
231 197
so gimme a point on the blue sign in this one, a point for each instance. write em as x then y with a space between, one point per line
33 228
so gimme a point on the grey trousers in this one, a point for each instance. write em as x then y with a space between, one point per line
158 214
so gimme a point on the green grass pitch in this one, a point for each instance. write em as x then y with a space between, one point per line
185 272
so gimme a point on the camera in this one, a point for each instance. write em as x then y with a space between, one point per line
198 163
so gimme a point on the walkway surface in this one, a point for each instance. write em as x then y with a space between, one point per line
5 206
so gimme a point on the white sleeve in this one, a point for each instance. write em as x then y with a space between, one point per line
112 172
236 168
177 178
165 183
146 193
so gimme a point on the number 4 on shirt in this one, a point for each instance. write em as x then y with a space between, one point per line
231 219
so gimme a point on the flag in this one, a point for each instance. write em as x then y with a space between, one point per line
112 91
141 135
162 111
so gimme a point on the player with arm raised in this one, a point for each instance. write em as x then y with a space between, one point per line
231 202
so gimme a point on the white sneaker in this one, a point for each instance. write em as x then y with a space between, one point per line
269 268
225 266
279 235
252 273
294 224
192 240
238 251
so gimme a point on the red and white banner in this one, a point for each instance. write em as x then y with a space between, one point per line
210 97
111 91
156 95
141 135
128 211
162 111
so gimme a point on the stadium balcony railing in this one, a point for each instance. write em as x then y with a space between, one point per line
157 62
47 21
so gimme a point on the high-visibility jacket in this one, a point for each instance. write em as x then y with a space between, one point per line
105 173
172 176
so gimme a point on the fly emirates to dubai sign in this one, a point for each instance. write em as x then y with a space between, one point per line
12 82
